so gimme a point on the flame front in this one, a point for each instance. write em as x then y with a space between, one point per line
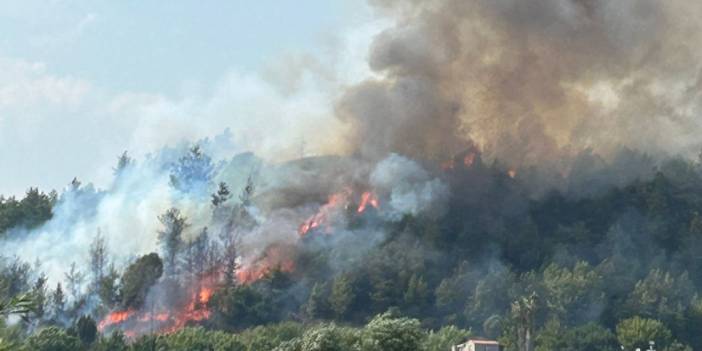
368 199
276 257
321 217
116 317
205 295
195 310
335 202
279 257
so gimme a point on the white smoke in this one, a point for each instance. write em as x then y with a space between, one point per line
126 214
411 189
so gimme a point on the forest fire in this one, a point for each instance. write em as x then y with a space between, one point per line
194 310
321 217
116 317
469 159
148 317
336 201
368 199
276 257
523 171
259 271
205 294
466 159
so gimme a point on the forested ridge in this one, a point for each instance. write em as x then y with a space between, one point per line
602 261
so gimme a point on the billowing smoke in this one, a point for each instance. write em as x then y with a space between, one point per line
572 86
126 214
530 81
285 196
410 189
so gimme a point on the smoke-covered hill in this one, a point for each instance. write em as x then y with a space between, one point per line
525 171
243 242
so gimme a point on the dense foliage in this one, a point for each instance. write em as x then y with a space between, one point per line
30 211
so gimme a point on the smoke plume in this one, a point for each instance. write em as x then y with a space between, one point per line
530 81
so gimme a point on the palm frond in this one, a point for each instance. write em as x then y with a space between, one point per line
20 304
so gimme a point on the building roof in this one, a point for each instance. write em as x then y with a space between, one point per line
483 341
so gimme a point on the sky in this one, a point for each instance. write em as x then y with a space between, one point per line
82 81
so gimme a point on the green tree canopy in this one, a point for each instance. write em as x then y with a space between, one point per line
636 332
138 279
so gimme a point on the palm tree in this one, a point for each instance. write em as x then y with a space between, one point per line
20 304
524 310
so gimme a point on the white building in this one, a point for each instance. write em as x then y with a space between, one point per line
478 345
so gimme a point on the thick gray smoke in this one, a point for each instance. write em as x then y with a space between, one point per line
286 195
530 81
410 189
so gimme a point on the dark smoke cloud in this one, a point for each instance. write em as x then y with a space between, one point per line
530 81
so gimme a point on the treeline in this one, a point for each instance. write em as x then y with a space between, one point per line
383 332
561 271
29 212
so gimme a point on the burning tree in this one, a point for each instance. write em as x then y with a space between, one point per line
237 221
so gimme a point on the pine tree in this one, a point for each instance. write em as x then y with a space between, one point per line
123 162
239 220
188 261
221 196
75 184
98 261
229 260
193 172
342 296
213 258
109 290
317 306
74 279
58 302
201 247
39 294
171 239
86 329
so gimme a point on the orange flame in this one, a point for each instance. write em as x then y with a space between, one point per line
469 159
276 257
161 317
194 310
116 317
512 173
205 295
250 274
320 218
368 198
